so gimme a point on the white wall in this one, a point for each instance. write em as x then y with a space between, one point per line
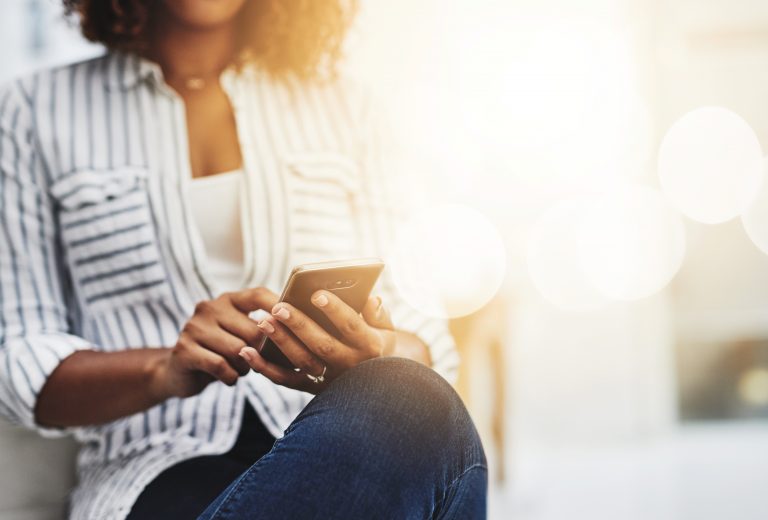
34 33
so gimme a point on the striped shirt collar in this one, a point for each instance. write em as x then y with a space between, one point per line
128 70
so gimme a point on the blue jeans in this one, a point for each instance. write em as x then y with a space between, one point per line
389 439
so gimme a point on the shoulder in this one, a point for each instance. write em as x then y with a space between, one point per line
345 95
30 88
16 101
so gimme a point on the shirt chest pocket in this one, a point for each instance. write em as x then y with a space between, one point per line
109 238
324 200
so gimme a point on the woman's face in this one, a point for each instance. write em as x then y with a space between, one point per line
203 14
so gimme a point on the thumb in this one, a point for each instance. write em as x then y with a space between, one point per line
376 315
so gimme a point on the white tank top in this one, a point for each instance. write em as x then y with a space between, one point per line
217 208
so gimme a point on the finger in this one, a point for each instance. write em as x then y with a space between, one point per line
316 339
296 352
210 335
350 324
249 300
277 374
197 357
376 315
240 325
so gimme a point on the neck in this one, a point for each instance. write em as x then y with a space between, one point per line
185 52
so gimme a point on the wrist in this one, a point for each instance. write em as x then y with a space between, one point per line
410 346
156 372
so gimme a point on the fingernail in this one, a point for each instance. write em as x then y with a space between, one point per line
379 307
282 313
321 300
266 327
245 354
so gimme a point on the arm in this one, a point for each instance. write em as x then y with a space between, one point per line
48 376
91 387
97 387
409 346
34 333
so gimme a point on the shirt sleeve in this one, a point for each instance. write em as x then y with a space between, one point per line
386 201
34 331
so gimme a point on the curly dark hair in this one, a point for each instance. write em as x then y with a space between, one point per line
286 37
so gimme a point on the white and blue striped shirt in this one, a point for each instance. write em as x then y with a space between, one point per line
98 249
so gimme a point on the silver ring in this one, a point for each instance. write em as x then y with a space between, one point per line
320 378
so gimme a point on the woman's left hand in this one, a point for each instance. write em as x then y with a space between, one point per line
318 355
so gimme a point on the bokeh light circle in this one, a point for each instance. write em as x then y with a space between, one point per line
631 243
448 261
709 164
552 255
755 219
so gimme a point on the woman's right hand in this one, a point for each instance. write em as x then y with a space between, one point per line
208 345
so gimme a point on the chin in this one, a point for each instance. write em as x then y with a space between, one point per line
203 14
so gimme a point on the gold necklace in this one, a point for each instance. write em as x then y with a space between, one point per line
194 83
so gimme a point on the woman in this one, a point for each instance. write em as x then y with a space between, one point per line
152 200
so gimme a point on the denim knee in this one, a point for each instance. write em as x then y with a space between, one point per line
387 439
406 389
395 404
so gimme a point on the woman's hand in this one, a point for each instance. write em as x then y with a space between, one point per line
208 346
318 355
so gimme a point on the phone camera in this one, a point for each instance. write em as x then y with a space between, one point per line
341 284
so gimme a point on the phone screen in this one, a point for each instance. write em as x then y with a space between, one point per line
352 281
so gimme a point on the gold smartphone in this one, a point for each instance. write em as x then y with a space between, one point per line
351 280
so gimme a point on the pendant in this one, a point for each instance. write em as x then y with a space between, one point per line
195 83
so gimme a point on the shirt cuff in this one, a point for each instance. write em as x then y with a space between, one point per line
26 363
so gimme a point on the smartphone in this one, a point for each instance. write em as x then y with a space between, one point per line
351 280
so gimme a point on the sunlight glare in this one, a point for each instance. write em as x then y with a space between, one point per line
553 259
631 243
755 219
531 86
448 261
709 164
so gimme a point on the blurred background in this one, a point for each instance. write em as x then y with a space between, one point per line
620 370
